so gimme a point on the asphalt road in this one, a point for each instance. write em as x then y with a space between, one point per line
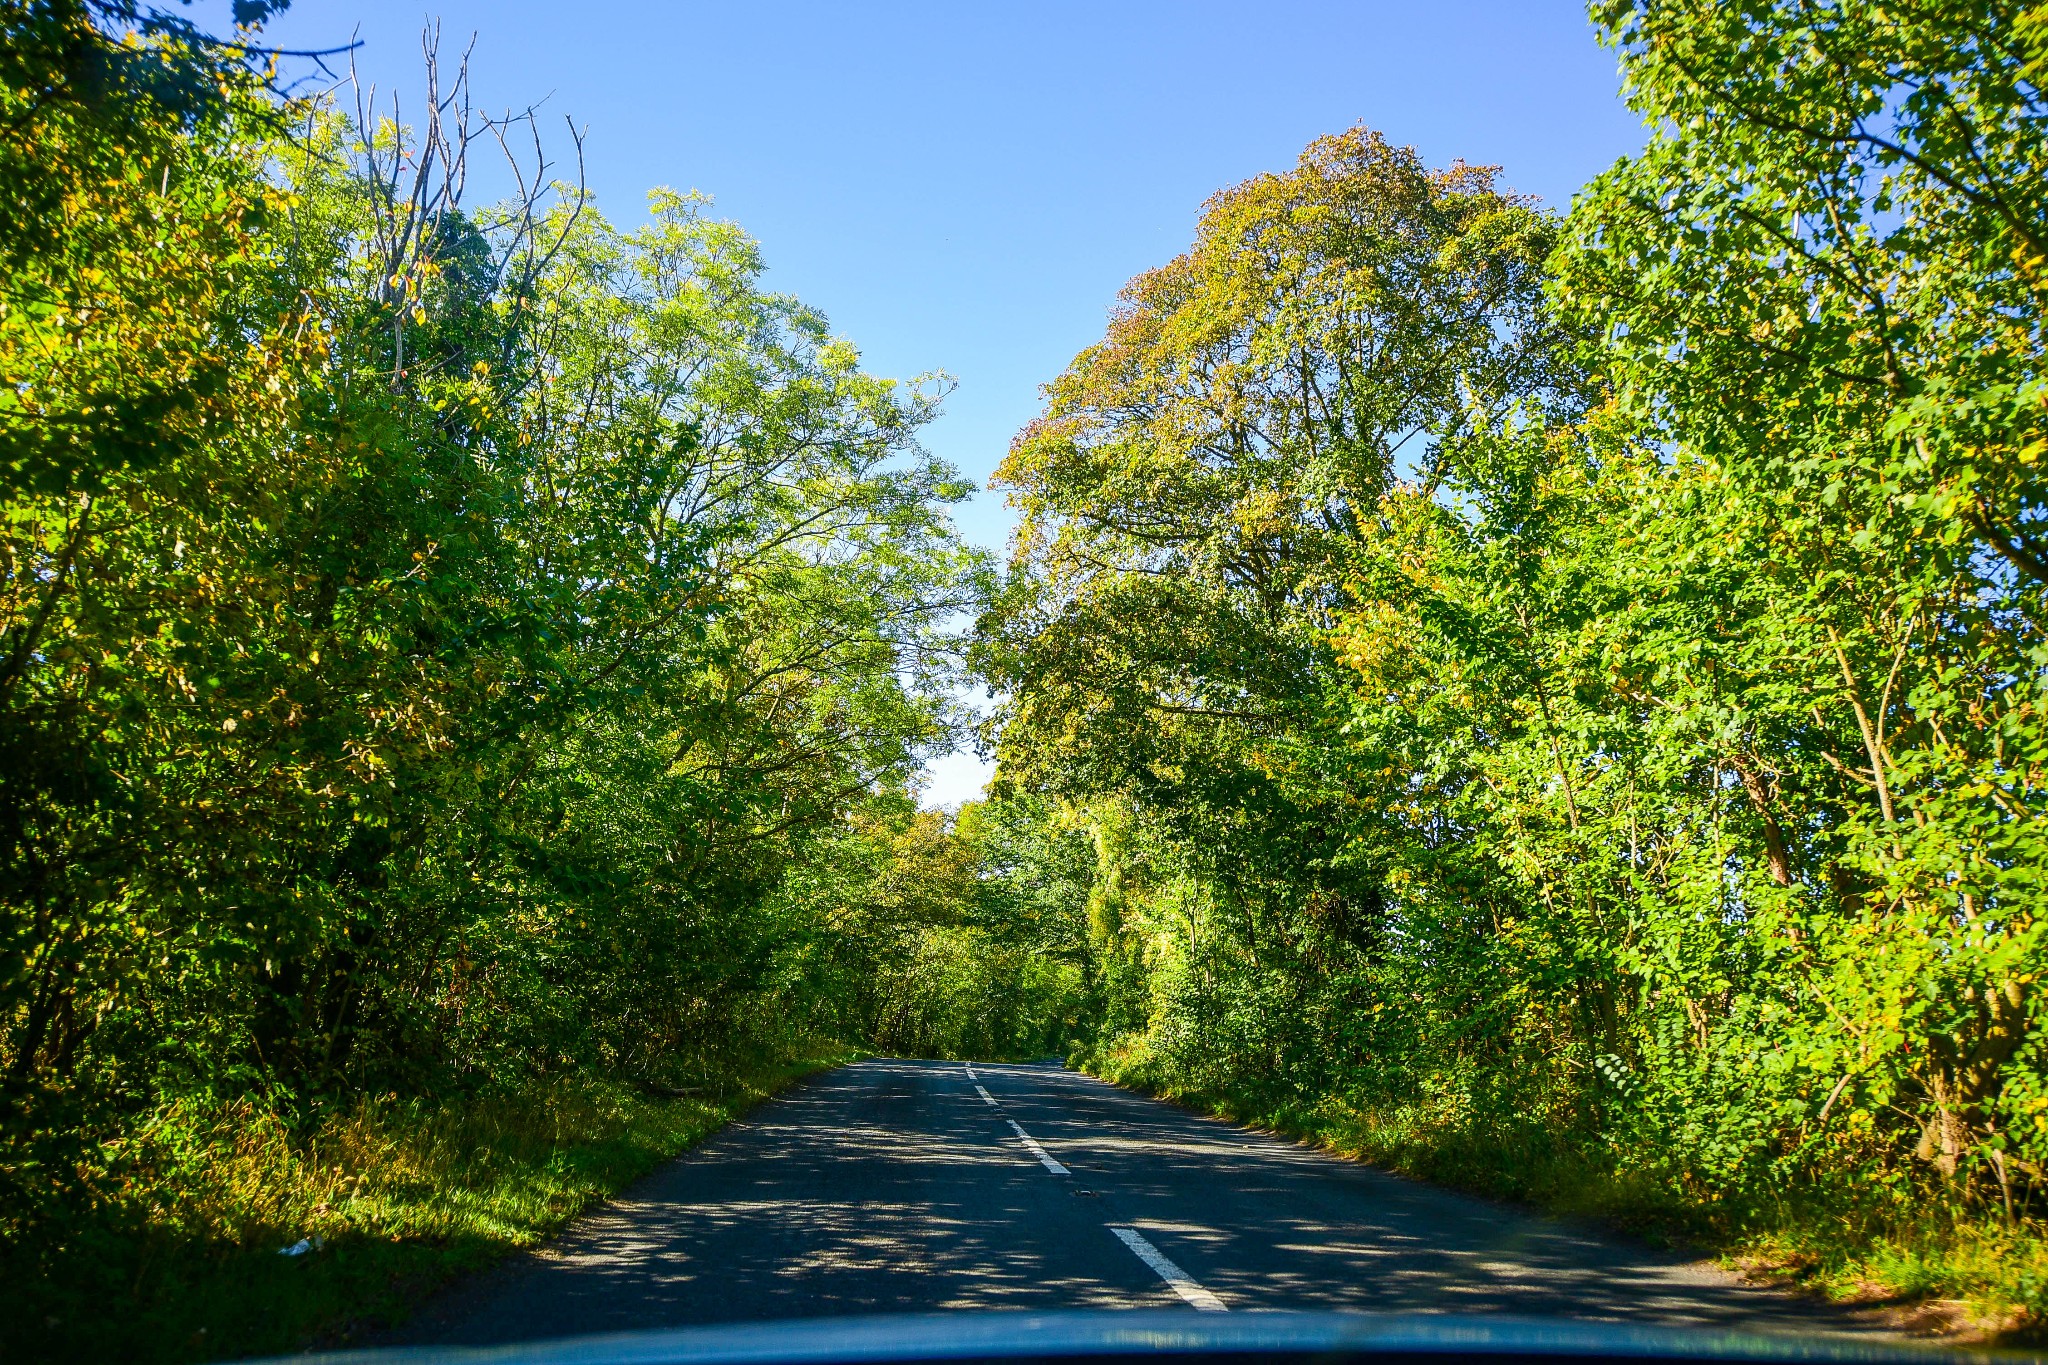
900 1186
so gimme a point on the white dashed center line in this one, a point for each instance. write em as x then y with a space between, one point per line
981 1091
1031 1145
970 1071
1176 1279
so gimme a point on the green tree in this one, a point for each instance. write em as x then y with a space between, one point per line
1821 282
1193 502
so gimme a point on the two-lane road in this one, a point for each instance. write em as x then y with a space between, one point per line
898 1186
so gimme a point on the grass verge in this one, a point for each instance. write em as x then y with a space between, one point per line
181 1262
1968 1276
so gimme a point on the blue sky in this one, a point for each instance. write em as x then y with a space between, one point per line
964 187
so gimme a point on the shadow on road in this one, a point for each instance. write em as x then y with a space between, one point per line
893 1186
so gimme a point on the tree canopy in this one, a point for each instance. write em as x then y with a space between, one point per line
1557 695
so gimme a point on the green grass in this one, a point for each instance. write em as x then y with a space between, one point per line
180 1262
1968 1274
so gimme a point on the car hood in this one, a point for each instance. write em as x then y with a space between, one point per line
1256 1338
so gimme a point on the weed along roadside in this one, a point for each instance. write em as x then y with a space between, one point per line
1926 1271
254 1240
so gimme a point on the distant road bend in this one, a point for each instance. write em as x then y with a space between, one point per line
902 1186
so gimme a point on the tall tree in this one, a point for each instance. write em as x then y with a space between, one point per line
1194 494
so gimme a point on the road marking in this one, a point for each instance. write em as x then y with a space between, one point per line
1031 1145
1176 1279
984 1094
970 1071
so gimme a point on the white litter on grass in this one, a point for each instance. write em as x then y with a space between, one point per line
303 1245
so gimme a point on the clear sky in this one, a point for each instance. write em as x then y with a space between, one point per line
964 186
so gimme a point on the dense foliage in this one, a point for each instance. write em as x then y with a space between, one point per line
1560 695
441 648
1572 686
